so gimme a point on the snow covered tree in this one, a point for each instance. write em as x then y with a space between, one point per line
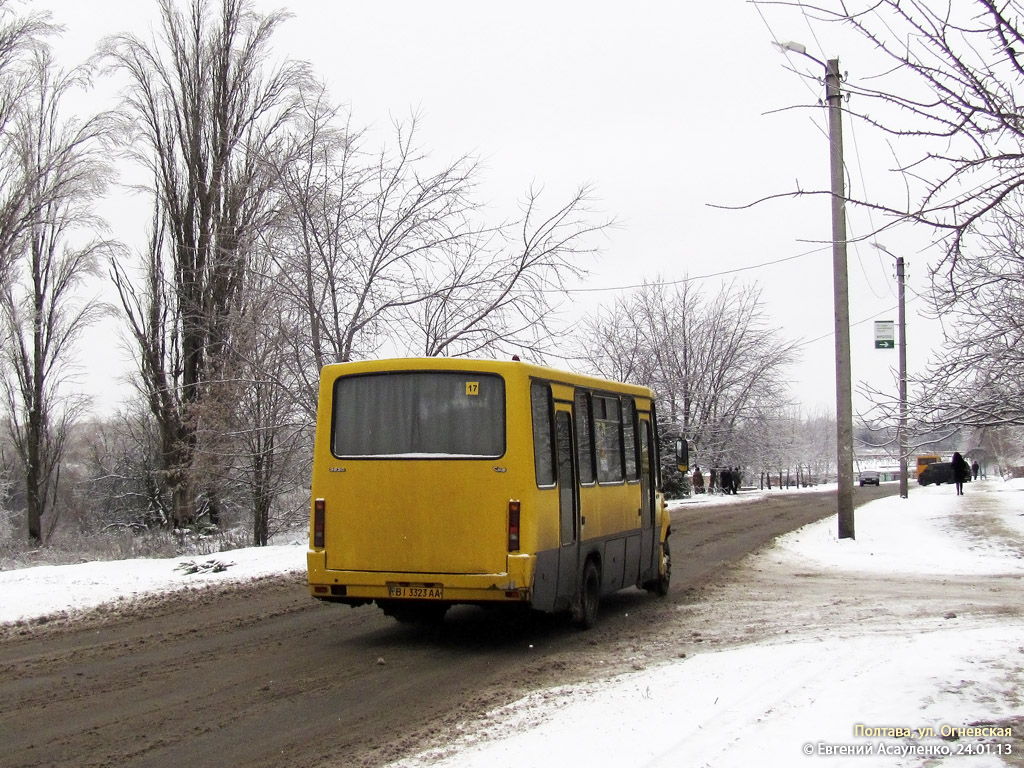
62 173
386 250
22 38
271 434
715 362
203 113
948 95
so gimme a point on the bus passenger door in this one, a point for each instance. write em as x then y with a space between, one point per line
568 506
648 532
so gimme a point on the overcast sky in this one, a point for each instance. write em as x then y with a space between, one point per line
666 108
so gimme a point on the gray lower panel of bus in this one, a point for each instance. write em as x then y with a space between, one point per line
556 578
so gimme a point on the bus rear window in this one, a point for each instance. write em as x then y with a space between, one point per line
419 414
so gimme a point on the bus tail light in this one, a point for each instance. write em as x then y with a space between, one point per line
513 526
318 523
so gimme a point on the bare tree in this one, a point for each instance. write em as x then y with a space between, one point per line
946 88
124 464
203 113
978 378
21 40
387 250
358 226
64 173
998 449
714 362
497 291
273 434
949 89
8 519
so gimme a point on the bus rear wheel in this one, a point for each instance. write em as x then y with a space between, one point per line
584 611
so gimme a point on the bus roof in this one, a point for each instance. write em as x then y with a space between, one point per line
506 368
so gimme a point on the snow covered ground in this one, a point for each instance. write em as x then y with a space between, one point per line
855 646
59 590
814 651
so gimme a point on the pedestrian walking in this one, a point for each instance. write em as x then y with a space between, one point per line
961 472
974 469
698 480
725 478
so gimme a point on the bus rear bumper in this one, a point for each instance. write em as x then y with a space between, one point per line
357 587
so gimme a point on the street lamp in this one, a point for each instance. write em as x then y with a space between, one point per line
841 292
902 316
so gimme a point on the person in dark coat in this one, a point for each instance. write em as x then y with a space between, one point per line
961 472
735 480
974 470
725 479
698 480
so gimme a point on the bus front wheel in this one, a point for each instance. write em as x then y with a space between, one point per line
660 583
665 577
587 602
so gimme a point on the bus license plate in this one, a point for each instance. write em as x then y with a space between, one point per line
416 591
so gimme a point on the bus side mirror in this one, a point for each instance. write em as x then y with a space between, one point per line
682 455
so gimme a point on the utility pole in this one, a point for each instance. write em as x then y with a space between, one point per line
904 491
901 430
841 298
840 290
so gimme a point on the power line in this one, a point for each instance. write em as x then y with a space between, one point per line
683 280
867 319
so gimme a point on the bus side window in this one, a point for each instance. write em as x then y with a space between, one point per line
629 443
584 436
543 445
608 428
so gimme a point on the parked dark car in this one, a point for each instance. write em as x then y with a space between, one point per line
869 477
938 472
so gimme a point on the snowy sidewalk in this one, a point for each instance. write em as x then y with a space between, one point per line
818 652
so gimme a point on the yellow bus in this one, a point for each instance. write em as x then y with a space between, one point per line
445 481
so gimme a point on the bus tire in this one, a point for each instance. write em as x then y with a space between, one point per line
589 598
665 574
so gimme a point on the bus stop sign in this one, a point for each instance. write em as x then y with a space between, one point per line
885 334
